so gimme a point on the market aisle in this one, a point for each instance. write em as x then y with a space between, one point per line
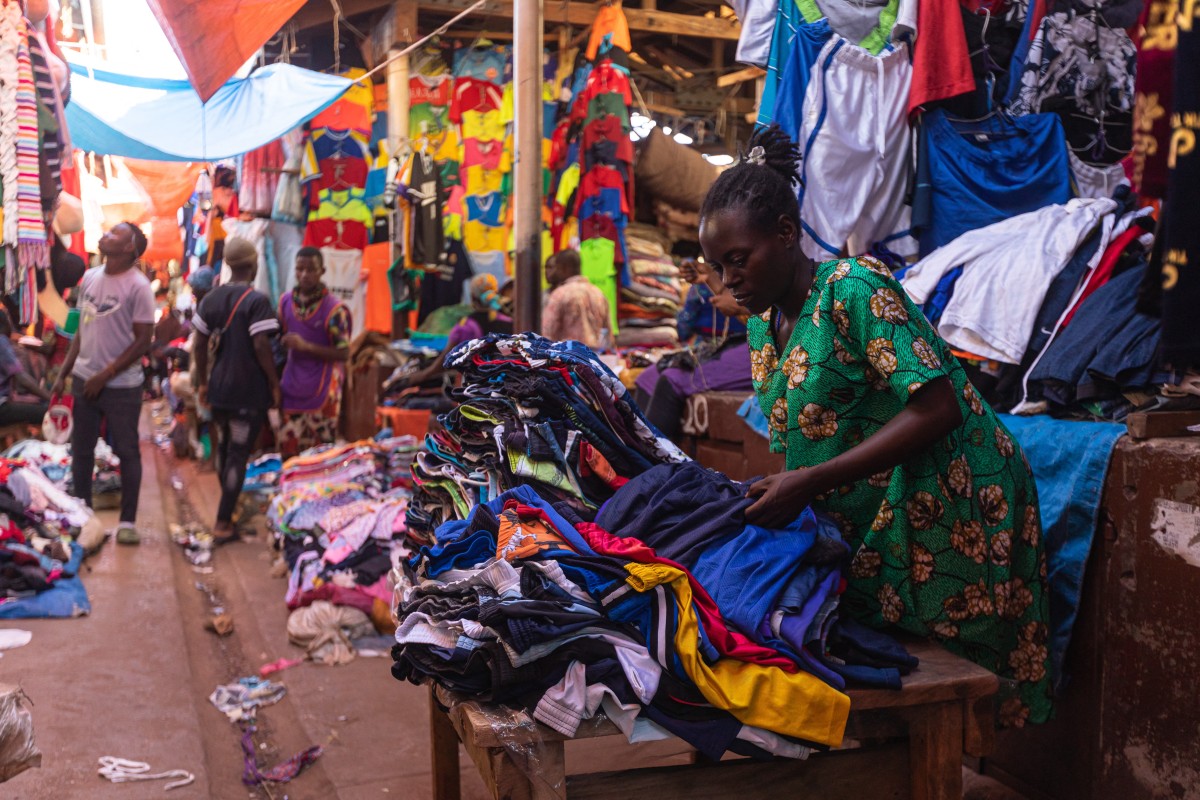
117 682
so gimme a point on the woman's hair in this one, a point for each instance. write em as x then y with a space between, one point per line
761 182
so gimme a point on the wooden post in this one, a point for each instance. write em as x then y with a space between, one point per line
527 172
404 31
443 751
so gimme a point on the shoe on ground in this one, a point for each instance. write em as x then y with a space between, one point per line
127 534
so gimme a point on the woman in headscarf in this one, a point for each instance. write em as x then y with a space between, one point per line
487 316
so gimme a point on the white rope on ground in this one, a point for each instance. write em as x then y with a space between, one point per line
120 770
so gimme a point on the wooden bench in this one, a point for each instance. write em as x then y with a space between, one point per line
905 744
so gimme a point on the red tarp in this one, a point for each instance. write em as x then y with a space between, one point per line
213 38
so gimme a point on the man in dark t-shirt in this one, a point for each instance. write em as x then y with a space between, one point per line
242 384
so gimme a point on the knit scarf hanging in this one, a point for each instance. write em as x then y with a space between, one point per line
12 26
32 250
47 96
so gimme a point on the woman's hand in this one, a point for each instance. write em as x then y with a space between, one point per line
781 498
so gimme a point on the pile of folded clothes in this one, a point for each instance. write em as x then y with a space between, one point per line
339 519
661 607
531 412
650 303
41 528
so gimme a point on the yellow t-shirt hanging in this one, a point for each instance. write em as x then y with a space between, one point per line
486 126
483 238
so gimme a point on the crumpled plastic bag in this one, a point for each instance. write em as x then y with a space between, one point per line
325 631
18 751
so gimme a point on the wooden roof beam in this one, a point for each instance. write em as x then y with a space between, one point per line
575 13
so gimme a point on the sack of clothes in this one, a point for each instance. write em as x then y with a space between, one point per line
583 564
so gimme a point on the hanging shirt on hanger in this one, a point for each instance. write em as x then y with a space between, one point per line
479 238
488 209
487 126
426 210
471 94
493 155
482 63
431 89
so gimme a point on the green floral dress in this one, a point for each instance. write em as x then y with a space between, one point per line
948 544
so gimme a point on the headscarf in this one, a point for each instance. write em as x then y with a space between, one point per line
485 294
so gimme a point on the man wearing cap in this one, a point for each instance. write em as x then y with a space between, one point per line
242 384
116 324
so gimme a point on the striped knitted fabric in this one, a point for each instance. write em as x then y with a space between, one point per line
11 26
47 99
32 250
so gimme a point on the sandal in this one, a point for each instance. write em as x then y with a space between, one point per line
127 534
229 538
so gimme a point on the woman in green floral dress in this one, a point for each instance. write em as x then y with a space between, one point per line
883 432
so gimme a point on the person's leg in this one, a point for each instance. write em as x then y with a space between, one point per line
122 410
241 433
85 432
29 413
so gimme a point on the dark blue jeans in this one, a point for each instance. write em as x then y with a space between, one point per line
119 410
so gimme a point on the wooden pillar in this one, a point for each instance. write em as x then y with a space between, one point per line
527 172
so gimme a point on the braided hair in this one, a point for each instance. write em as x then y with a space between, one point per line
761 182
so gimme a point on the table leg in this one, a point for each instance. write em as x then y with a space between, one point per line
936 752
443 749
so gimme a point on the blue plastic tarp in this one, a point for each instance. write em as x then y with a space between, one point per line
159 119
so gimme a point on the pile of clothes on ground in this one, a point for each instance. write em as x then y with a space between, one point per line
651 301
43 533
644 593
339 519
54 461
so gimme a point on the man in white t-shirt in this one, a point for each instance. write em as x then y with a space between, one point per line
116 325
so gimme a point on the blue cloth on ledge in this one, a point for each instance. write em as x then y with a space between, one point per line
1070 462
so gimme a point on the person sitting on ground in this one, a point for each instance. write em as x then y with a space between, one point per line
316 327
720 364
22 399
485 317
116 325
242 384
574 308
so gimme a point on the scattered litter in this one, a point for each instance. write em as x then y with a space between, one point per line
221 625
203 570
18 751
279 666
241 701
12 638
120 770
282 772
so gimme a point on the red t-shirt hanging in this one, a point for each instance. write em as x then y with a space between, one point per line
472 94
434 90
941 64
598 178
341 173
609 129
340 234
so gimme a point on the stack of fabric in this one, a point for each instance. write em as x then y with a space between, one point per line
650 303
39 552
532 412
660 606
340 525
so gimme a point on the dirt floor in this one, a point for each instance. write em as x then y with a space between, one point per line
133 678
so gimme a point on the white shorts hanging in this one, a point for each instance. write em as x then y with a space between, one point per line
855 139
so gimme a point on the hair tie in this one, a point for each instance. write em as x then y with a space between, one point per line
757 156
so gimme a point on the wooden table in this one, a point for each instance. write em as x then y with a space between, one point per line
905 744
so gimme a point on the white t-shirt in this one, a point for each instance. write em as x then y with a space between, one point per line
109 307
